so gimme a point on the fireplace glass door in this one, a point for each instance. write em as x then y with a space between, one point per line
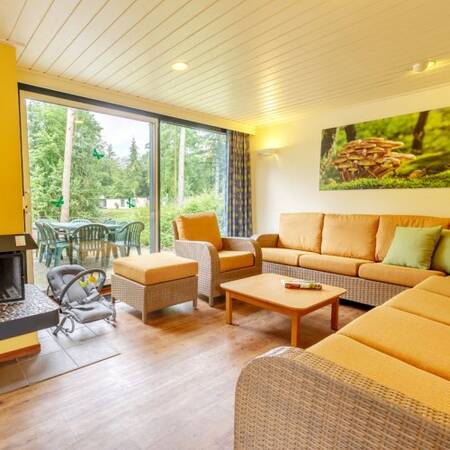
11 277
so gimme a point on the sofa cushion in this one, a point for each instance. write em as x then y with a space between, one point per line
232 259
438 285
420 385
403 276
154 268
441 257
350 235
200 227
283 255
301 231
415 340
334 264
413 247
423 303
388 224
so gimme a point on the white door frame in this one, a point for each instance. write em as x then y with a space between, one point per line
153 170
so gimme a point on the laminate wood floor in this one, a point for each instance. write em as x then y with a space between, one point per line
172 386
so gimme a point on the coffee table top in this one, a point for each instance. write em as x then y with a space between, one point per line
267 287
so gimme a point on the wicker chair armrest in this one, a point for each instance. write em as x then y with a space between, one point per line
245 245
291 399
266 240
201 251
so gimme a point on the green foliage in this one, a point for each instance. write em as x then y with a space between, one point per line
205 163
46 137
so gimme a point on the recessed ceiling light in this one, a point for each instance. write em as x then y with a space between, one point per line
179 66
422 66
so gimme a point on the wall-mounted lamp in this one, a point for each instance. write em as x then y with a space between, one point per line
267 152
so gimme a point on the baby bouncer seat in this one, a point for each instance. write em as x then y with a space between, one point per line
77 291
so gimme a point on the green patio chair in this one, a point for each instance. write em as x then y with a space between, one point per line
90 239
128 237
41 238
54 247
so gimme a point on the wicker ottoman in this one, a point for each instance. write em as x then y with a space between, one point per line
151 282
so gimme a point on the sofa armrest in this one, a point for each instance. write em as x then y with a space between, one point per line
245 245
201 251
290 399
266 240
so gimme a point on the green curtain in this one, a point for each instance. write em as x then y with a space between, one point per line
239 198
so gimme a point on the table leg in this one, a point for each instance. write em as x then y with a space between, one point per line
295 329
228 308
335 315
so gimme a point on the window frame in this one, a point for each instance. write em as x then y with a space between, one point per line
27 91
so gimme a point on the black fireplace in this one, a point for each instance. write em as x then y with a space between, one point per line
13 249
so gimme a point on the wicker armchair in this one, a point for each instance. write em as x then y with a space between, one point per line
290 399
208 257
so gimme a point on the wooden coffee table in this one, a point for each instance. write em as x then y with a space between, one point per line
267 292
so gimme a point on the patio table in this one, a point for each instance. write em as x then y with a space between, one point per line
70 227
67 228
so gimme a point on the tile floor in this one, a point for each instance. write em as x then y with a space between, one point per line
60 354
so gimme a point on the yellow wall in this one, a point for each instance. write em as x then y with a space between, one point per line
11 216
290 180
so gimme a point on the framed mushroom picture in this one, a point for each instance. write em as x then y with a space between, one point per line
407 151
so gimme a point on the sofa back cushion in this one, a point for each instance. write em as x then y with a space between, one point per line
350 235
441 257
199 227
388 224
301 231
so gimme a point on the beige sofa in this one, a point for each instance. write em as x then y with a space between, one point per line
381 382
344 250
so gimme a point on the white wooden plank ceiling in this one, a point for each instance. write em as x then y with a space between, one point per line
253 61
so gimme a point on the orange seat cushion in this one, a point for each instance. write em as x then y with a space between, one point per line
301 231
421 342
232 260
334 264
199 227
423 303
349 235
420 385
282 255
155 268
438 285
388 224
403 276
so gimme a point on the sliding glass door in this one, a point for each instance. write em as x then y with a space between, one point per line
98 186
90 180
193 174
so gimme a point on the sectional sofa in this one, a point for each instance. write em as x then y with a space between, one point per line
381 382
344 250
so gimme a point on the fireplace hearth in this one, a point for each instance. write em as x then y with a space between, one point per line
13 265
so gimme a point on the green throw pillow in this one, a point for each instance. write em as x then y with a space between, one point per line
413 247
441 257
